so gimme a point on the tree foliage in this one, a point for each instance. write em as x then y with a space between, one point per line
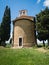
6 25
43 25
0 34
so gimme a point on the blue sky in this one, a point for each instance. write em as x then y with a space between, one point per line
33 7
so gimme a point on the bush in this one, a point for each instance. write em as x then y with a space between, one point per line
48 47
39 46
3 44
8 45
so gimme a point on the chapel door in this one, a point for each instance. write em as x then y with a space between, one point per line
20 41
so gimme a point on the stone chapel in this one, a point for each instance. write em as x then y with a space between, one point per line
24 30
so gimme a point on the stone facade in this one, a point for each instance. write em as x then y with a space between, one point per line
24 31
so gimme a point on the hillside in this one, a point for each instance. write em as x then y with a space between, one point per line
23 56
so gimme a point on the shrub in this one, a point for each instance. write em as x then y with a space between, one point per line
8 45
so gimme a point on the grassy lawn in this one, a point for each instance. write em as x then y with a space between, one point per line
23 56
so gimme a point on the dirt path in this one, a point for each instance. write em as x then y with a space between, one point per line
42 50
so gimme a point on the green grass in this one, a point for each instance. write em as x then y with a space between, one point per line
24 56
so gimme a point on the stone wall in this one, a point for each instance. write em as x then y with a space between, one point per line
24 28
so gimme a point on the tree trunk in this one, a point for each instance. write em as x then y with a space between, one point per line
48 42
43 43
3 43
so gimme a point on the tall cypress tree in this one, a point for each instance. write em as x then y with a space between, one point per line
6 25
0 34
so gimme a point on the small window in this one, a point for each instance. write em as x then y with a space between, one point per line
23 12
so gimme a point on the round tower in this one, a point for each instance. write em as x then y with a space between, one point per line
23 30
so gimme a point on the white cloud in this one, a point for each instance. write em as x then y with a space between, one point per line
46 3
38 1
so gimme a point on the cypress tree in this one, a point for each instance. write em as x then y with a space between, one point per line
6 25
